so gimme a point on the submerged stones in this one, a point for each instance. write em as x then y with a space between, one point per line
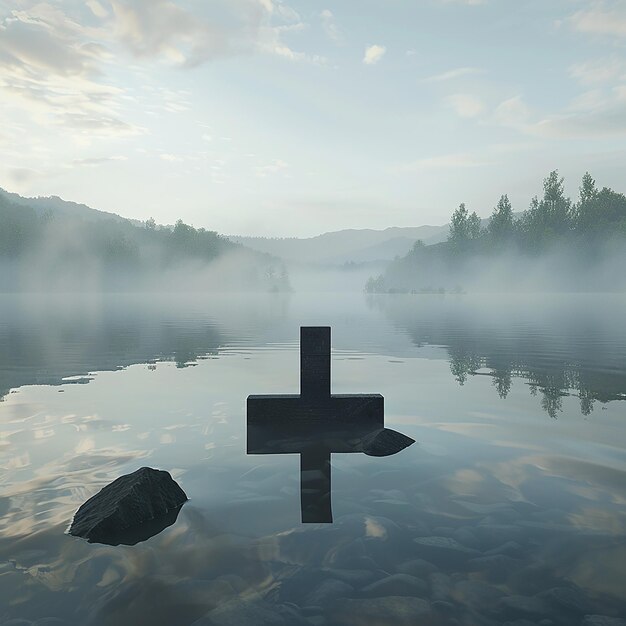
132 508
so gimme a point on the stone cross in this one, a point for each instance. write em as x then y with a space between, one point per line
315 424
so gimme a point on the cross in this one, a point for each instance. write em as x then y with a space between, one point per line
315 424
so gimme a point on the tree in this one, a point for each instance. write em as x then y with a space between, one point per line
500 226
458 225
473 226
587 189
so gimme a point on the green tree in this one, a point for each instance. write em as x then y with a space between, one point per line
474 229
501 225
459 229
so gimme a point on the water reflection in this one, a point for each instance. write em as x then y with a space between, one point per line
316 424
560 345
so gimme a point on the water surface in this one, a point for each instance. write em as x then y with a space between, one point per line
511 506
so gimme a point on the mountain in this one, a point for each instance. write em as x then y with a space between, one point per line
345 246
50 245
57 206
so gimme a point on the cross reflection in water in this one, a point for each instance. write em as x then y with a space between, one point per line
315 424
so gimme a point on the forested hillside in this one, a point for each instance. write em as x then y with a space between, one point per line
556 244
43 250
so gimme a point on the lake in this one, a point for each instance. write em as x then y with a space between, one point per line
510 508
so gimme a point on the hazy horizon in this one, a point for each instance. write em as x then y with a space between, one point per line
264 117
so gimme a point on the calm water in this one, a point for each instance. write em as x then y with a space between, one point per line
510 508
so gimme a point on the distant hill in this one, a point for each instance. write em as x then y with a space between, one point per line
344 246
50 245
53 204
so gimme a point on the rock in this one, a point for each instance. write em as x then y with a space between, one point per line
465 537
385 442
495 568
476 595
132 508
602 620
417 567
496 534
523 606
510 548
396 610
445 551
355 577
327 591
396 585
255 611
566 600
439 586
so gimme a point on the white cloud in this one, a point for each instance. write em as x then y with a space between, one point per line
603 18
274 167
96 8
50 69
94 161
512 112
330 26
170 158
446 161
373 54
592 118
459 72
599 70
465 105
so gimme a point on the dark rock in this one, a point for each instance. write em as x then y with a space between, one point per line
497 534
510 548
445 551
396 610
466 537
355 577
566 600
440 586
476 595
130 509
327 591
495 568
417 567
602 620
445 608
396 585
255 611
385 442
523 606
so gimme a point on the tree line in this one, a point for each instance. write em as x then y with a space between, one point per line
552 224
120 251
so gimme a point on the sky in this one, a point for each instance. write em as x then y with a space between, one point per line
294 117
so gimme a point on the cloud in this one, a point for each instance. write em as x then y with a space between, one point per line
465 105
593 114
158 28
50 69
599 70
603 18
373 54
275 167
330 27
459 72
163 30
592 119
94 161
446 161
513 113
